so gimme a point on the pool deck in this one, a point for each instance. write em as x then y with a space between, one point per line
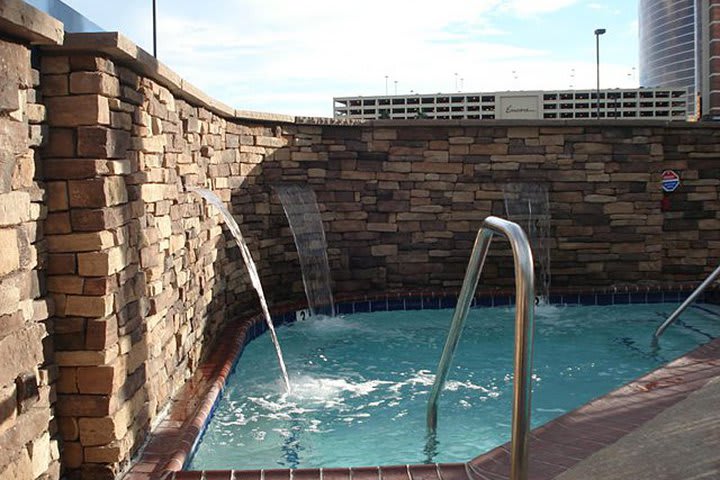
566 448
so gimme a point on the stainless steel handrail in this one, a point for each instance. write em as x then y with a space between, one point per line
693 296
524 312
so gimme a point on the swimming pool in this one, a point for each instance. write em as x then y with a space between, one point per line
361 382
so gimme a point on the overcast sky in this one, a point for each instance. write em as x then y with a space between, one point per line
293 56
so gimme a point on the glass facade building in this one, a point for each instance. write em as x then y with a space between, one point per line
668 44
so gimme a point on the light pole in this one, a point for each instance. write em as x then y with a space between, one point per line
154 29
386 85
598 32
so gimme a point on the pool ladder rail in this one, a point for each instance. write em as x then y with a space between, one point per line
524 328
683 306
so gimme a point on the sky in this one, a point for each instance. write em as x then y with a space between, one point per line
292 56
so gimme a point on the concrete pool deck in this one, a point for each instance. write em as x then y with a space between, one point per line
663 425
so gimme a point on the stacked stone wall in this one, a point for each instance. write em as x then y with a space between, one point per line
28 443
140 269
402 203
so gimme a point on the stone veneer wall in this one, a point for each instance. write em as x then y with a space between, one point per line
140 270
403 201
28 440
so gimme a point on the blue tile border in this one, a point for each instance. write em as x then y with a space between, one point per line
504 298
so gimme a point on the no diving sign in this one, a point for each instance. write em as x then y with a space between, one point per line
670 181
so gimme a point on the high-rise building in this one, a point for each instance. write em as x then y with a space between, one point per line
668 44
679 45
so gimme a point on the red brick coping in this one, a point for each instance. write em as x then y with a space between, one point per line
554 447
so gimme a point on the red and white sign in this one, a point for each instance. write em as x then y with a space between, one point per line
670 181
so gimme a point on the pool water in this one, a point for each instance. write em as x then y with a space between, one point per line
361 382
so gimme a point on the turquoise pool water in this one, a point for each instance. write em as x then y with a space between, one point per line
361 382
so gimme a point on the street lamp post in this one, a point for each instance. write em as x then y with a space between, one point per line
154 29
598 32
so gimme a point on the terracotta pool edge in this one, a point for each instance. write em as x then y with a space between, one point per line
556 446
219 365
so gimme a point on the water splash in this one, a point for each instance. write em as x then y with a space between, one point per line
301 209
234 228
528 205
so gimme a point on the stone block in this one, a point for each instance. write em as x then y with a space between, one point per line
78 110
97 192
85 358
69 284
57 198
61 264
9 252
83 405
592 148
94 82
24 172
103 454
60 143
21 352
19 468
57 223
14 74
36 113
97 431
54 85
79 168
11 323
39 450
101 334
9 297
72 455
106 262
99 380
88 306
155 192
101 142
13 144
54 64
80 242
87 220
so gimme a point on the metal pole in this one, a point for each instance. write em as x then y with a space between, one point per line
698 291
524 327
386 85
597 70
154 6
598 32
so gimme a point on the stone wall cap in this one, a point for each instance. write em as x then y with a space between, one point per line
23 21
125 52
263 116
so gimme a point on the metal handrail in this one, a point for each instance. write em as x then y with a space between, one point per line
524 312
693 296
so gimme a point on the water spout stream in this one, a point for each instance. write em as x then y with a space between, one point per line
301 209
232 225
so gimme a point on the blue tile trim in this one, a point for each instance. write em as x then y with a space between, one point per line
413 303
430 302
379 305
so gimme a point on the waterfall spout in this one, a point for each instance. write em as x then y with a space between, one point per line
232 225
301 209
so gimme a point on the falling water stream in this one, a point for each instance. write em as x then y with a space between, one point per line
213 199
528 205
301 209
